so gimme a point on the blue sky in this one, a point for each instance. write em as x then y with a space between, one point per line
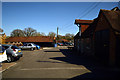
47 16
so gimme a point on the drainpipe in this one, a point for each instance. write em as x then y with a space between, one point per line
80 42
79 30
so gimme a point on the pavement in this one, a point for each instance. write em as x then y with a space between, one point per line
58 63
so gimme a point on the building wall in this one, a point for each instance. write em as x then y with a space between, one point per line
87 46
2 38
102 42
77 45
103 25
112 47
117 56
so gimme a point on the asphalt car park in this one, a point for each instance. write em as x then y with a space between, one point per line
54 63
5 65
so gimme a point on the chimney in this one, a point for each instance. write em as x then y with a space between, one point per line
115 9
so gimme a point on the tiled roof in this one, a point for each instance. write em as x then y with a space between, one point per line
30 39
64 40
84 27
113 18
84 22
90 30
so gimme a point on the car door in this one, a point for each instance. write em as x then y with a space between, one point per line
24 46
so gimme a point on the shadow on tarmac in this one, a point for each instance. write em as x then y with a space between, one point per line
98 70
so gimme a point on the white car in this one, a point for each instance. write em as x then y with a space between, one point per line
3 55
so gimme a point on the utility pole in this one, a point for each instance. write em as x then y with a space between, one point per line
57 35
57 32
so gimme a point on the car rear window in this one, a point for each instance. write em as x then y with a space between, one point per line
1 49
15 47
25 44
5 46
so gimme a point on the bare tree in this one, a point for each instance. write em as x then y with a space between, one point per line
1 30
69 36
42 34
17 33
52 34
39 34
29 32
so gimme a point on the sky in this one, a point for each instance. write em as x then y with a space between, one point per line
47 16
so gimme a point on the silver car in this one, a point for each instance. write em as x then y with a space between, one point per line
13 52
30 46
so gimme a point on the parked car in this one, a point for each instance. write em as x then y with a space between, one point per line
37 46
30 46
67 44
60 44
3 55
70 44
13 52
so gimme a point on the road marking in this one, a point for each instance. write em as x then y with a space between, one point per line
69 68
47 48
8 67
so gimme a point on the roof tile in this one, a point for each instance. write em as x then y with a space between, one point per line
30 39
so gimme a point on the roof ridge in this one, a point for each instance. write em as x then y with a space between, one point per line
104 10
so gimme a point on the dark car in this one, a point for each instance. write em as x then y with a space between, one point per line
13 52
60 44
66 44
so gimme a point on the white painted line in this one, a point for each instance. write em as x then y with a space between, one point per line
63 46
47 48
9 67
69 68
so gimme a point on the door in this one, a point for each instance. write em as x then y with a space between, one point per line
118 51
102 45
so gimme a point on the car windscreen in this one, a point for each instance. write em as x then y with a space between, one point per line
34 44
15 47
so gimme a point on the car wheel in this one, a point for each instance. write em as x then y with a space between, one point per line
37 48
10 58
32 49
18 58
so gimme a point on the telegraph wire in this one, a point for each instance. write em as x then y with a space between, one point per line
79 12
88 11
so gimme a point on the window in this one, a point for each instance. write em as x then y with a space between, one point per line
6 47
29 45
15 47
25 44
